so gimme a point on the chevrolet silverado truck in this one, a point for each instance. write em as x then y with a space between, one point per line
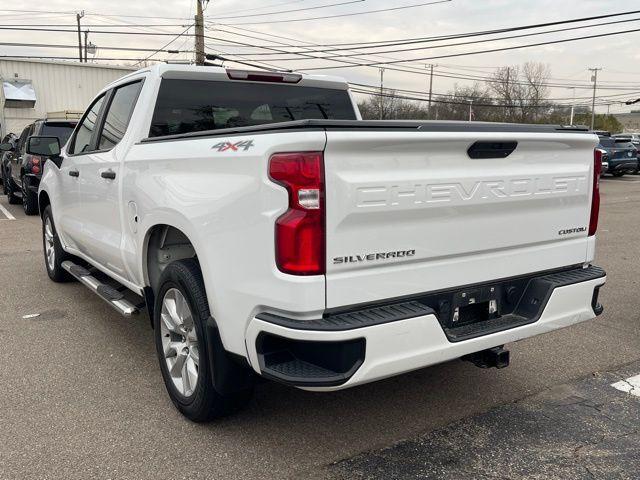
269 231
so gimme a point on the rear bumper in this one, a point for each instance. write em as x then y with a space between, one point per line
339 352
623 165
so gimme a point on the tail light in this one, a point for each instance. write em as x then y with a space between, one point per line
595 199
34 164
300 231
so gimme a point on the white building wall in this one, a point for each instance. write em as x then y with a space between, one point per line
58 86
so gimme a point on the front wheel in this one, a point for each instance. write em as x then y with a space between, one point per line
54 255
180 315
618 174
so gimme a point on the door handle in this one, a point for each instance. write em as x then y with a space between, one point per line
74 173
109 174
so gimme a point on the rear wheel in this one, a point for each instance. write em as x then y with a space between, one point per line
29 199
11 192
4 180
180 315
54 255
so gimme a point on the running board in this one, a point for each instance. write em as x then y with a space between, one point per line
109 294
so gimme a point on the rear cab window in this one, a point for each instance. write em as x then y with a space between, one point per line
62 130
185 106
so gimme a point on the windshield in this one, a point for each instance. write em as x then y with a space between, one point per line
62 130
185 106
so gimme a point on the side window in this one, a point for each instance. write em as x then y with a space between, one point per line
82 139
23 140
118 115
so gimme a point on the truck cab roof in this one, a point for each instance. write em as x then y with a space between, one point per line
193 72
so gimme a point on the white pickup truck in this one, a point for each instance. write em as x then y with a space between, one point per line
268 230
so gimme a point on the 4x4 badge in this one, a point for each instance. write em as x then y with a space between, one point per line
233 147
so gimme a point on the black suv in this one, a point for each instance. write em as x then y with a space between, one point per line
622 154
5 158
23 171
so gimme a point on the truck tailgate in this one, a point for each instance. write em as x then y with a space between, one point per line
411 212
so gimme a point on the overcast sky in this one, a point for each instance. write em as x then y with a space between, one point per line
617 55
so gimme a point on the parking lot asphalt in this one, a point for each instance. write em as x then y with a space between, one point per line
82 396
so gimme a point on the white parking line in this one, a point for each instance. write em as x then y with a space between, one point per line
630 385
6 213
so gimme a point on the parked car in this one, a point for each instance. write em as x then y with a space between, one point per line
23 171
623 156
268 229
10 139
634 138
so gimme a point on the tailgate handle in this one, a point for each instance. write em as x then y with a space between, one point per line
491 149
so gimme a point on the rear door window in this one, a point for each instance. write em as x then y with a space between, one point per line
185 106
84 134
118 116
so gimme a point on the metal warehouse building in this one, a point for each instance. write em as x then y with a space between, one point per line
32 88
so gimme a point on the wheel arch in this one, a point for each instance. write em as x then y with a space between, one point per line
43 201
163 244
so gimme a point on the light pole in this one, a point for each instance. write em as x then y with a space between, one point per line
430 86
594 79
471 110
573 105
381 93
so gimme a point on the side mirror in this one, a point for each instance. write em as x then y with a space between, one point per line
43 146
6 147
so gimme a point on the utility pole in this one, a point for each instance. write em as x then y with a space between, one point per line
471 110
199 31
78 17
431 65
573 106
594 79
86 45
381 93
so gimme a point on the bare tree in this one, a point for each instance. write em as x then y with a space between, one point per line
516 94
458 104
521 92
393 106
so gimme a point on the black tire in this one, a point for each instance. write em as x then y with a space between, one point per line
206 402
29 199
11 195
55 271
4 180
618 174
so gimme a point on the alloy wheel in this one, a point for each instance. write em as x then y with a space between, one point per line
49 248
179 342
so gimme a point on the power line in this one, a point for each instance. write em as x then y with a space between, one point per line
418 92
162 49
22 11
493 50
165 34
368 12
473 42
124 49
404 70
271 6
102 25
57 57
289 11
411 41
465 103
